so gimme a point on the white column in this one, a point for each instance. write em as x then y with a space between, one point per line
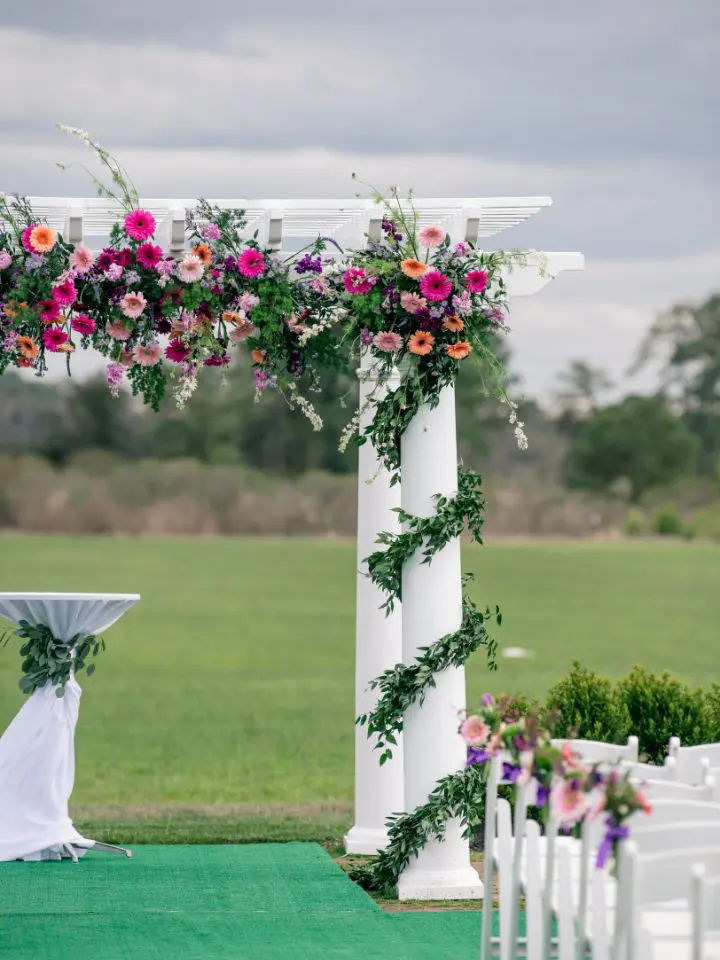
378 790
432 607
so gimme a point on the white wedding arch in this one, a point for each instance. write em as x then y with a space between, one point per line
432 604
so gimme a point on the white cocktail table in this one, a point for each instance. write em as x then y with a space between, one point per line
37 751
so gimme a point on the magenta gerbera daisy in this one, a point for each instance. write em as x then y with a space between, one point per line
65 293
149 255
177 351
356 280
49 311
83 325
251 263
140 225
476 281
435 285
54 338
105 259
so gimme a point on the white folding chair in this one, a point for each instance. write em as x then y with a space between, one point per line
670 812
650 771
595 751
666 790
705 909
649 880
689 760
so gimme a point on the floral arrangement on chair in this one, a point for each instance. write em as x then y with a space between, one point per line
566 789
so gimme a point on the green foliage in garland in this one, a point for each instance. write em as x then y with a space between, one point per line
406 684
459 795
427 534
49 660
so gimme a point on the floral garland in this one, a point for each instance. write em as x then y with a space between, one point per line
566 789
49 660
418 303
55 297
411 299
406 684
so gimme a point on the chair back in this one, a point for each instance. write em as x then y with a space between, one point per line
595 751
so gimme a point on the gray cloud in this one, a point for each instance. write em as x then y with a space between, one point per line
610 108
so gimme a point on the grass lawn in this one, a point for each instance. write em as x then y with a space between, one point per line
223 708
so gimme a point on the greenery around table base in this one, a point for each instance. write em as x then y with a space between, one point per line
49 660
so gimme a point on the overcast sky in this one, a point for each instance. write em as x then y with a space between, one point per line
611 108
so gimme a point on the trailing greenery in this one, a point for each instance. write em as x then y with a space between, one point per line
406 684
49 660
427 534
459 795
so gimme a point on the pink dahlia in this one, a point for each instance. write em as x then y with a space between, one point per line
412 302
251 263
462 249
476 281
65 293
435 285
356 280
81 259
474 732
248 301
191 269
54 338
148 255
431 237
118 331
140 225
83 325
387 341
133 304
5 260
147 354
568 802
177 351
49 311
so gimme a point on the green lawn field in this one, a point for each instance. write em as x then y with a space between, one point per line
227 693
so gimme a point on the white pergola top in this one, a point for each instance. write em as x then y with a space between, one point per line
345 221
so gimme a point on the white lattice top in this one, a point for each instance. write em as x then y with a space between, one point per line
286 222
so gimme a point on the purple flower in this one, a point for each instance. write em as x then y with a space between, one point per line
488 700
476 756
366 338
309 264
510 772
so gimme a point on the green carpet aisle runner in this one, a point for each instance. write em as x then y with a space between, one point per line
259 902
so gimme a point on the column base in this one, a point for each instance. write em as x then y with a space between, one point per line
365 840
464 884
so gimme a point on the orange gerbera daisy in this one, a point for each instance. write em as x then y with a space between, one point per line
66 348
203 252
421 343
28 348
231 317
414 269
455 324
459 350
258 355
12 307
23 362
42 238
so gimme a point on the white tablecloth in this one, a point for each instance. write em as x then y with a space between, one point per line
37 751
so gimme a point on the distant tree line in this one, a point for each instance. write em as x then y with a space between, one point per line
628 446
